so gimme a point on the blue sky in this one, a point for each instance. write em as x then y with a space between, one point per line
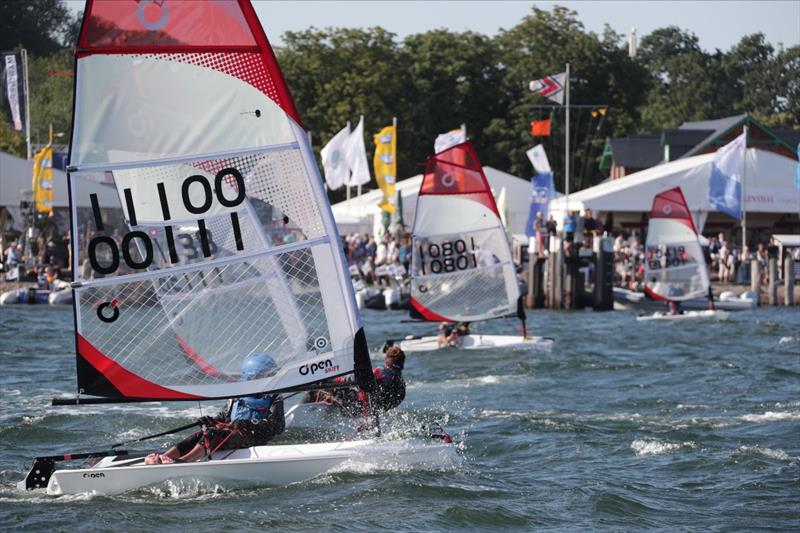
718 24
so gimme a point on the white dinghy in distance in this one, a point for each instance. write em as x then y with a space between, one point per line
223 243
675 268
462 269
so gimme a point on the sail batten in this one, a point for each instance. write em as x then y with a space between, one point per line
217 242
461 261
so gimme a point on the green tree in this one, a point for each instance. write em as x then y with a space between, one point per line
40 26
335 75
685 79
51 96
601 73
453 79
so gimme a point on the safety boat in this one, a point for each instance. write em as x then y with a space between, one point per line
462 269
674 268
224 242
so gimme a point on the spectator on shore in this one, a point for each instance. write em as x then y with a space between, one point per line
569 226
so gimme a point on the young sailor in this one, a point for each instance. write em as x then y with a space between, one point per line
390 393
245 422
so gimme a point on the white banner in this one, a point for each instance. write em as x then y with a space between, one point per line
12 92
334 160
449 139
539 159
356 156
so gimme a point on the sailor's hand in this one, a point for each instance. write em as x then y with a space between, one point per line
207 421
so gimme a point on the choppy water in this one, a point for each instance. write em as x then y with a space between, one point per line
623 425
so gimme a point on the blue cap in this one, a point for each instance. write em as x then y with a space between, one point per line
258 365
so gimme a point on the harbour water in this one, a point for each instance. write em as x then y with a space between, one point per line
622 425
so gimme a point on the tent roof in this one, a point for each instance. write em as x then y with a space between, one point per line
16 176
518 193
769 186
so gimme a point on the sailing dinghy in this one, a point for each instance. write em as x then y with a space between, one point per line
462 268
675 268
222 243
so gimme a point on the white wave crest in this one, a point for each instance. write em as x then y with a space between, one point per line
657 447
771 416
770 453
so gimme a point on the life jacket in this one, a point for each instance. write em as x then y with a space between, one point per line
251 408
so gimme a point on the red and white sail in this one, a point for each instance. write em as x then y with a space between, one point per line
221 243
675 268
462 268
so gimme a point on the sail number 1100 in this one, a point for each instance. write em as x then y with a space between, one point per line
448 256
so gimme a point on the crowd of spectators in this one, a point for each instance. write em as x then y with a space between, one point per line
377 260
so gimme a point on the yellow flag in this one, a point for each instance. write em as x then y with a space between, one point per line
385 165
43 180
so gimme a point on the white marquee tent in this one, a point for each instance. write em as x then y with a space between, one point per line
361 214
15 186
769 187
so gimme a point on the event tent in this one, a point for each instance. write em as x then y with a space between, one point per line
16 186
361 214
769 188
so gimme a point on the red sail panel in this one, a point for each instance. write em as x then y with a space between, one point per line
458 170
223 35
671 204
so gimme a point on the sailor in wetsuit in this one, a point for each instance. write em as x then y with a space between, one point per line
245 422
390 391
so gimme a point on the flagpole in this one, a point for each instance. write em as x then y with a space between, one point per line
348 179
24 54
744 173
358 191
566 147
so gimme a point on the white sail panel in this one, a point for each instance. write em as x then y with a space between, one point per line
126 113
221 243
675 268
462 267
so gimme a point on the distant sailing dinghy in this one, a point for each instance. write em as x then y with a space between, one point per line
222 243
674 268
462 270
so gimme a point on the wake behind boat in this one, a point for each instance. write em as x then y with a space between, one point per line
462 269
228 247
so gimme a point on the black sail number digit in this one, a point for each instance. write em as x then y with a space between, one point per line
108 262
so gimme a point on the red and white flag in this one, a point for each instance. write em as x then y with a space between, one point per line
551 87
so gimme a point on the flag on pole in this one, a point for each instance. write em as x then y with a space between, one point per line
725 184
356 156
43 180
551 87
385 166
539 159
334 162
542 190
797 178
541 128
451 138
13 89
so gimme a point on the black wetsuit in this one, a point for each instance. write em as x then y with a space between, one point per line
391 388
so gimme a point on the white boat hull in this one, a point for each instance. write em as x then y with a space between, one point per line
478 342
687 315
627 299
257 466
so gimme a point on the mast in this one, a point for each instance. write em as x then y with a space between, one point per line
744 174
566 147
24 54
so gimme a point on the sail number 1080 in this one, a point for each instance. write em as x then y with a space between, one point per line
448 256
